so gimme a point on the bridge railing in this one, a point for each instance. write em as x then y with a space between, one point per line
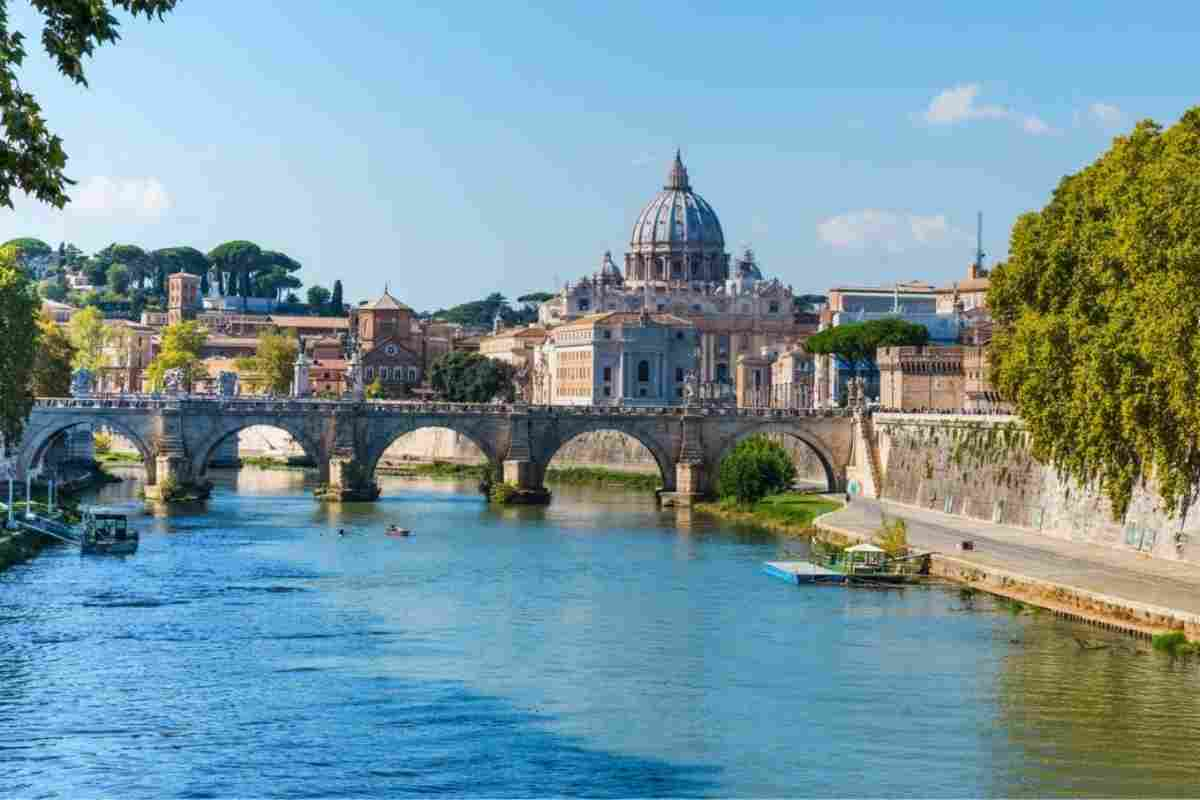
270 406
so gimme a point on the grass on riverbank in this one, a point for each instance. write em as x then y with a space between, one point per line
578 476
787 513
272 462
118 458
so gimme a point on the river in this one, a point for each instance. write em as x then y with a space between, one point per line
599 646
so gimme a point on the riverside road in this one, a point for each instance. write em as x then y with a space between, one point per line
1092 568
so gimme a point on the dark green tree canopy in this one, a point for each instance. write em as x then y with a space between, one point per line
471 378
28 247
755 468
32 159
1097 338
856 342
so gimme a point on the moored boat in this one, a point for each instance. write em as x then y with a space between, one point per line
107 532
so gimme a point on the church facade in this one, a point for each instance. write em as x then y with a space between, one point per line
677 264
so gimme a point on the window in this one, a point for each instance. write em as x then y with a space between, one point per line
722 372
774 308
607 333
679 373
608 391
643 373
584 304
384 373
607 374
679 392
641 392
370 373
412 374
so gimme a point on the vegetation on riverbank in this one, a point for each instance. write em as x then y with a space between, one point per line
273 462
578 476
790 513
119 458
1175 643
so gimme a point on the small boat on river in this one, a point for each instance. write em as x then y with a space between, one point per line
396 530
106 532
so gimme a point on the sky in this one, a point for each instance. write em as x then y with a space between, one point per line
455 149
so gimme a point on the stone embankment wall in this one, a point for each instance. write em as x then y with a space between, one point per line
981 467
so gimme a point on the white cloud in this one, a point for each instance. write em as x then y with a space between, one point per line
1106 115
890 231
102 196
958 105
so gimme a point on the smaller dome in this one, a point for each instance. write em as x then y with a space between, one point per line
746 266
608 272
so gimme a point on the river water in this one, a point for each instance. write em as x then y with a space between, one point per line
599 646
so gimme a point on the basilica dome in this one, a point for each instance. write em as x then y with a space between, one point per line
677 237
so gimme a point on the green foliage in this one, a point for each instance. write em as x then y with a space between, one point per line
180 348
246 270
51 376
599 476
271 368
170 260
481 313
856 343
88 335
336 304
1096 311
793 510
502 493
318 297
471 378
375 390
19 335
102 442
1175 643
892 536
53 289
755 468
118 278
31 156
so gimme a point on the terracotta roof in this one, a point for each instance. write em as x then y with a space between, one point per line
386 303
968 285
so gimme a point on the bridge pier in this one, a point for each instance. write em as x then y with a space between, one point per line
350 481
689 485
173 482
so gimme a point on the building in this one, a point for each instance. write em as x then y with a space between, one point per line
927 378
792 376
967 295
129 347
514 346
618 358
677 264
912 297
979 393
183 297
393 351
60 313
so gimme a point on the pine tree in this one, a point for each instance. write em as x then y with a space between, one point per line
335 302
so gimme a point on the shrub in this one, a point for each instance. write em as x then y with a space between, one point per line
102 442
892 536
1174 642
754 469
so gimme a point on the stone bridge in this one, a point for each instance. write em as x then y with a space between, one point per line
178 436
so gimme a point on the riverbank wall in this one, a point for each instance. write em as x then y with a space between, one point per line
980 467
1121 615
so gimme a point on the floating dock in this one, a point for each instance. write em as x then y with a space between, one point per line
802 572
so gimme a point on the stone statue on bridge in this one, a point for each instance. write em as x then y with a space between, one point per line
82 382
174 381
227 384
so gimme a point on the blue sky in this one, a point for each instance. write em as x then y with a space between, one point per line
452 150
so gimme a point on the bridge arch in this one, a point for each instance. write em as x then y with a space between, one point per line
379 442
834 477
202 453
559 436
37 442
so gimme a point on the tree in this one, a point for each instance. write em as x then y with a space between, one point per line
856 342
479 313
88 336
19 338
51 375
118 278
471 378
755 468
53 289
1096 339
169 260
271 366
245 269
318 297
29 253
337 306
31 156
132 257
375 390
181 343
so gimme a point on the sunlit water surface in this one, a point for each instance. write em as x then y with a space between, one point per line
596 647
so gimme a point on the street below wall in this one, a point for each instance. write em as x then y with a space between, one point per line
1132 591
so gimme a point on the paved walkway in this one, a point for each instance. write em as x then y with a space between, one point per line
1102 570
